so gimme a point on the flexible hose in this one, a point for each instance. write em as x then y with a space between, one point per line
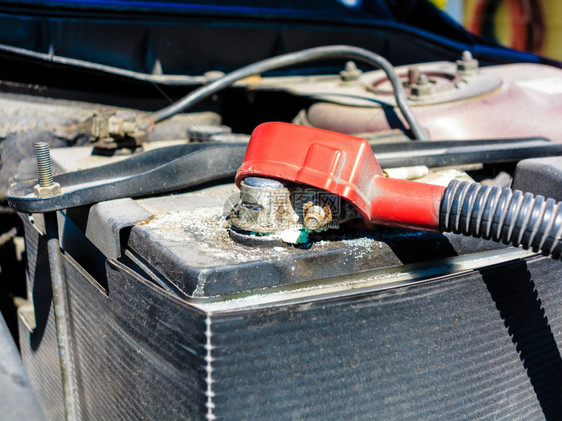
502 215
304 56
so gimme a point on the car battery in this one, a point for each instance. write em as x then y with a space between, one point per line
171 318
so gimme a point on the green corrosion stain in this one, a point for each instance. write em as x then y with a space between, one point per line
303 237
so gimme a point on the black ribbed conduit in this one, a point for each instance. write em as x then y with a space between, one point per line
291 59
503 215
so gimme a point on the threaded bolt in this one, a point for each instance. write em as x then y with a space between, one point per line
350 73
413 74
467 65
46 187
44 166
314 217
466 56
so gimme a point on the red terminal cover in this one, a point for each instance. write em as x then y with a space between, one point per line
343 165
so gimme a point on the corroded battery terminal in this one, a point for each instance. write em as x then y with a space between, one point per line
278 210
292 176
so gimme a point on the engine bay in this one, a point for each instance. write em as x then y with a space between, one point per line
302 244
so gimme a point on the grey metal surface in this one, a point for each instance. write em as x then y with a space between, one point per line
372 89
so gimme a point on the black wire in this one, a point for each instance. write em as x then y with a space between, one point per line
502 215
312 54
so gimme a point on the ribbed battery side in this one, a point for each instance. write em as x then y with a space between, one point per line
138 352
470 346
483 345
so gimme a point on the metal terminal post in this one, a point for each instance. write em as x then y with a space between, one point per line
269 206
47 187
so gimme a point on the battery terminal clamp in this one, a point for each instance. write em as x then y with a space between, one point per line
344 166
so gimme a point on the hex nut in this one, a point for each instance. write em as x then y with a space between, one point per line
52 190
422 88
467 65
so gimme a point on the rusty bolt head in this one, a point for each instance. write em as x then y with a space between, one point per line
51 190
315 216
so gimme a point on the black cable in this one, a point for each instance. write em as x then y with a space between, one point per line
312 54
503 215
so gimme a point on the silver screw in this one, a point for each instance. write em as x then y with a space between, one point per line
44 164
